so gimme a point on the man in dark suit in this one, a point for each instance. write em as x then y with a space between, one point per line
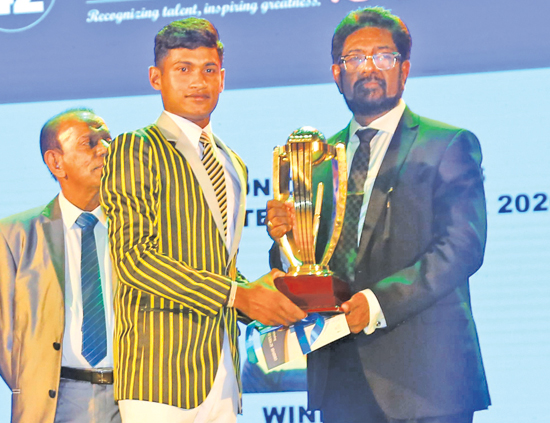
414 232
56 314
175 197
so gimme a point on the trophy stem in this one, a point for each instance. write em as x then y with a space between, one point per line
287 250
300 161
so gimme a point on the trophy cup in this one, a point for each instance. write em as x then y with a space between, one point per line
310 285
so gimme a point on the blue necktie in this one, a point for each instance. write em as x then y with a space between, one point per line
94 333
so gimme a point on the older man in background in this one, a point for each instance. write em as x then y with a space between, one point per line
56 315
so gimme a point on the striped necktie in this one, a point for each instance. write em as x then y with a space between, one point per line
94 332
215 170
345 254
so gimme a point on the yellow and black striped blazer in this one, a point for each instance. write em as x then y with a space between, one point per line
174 269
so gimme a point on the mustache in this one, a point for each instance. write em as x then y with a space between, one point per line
358 85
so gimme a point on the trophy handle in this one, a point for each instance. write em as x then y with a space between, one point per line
317 215
279 166
340 203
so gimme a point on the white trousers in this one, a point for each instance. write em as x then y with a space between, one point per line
220 406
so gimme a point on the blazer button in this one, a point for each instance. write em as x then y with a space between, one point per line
52 393
56 346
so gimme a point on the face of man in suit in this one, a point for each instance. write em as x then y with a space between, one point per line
370 92
77 165
190 82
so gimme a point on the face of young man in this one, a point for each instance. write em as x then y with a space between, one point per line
368 91
190 82
84 142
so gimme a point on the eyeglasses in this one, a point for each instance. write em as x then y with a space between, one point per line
382 61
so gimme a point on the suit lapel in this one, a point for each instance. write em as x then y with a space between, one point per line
171 131
387 178
55 239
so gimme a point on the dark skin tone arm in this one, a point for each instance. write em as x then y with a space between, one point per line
262 301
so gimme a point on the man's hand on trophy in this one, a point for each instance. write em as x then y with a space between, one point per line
280 218
357 312
262 301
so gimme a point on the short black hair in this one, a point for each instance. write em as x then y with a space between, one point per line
377 17
49 132
190 33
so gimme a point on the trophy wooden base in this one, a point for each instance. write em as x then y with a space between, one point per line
314 294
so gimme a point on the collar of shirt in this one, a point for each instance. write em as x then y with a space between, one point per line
192 131
386 123
70 212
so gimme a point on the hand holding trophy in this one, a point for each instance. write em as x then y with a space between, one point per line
310 285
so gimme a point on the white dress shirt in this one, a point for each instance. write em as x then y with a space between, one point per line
386 126
72 338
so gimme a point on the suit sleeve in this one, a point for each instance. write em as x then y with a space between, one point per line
7 290
457 246
130 196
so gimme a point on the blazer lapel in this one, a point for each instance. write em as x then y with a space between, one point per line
55 239
239 167
387 178
173 133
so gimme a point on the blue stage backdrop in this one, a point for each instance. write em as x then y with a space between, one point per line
484 66
61 49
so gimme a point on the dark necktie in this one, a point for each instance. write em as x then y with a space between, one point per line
94 333
215 171
343 260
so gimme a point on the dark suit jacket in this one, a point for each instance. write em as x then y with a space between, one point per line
173 266
32 312
424 235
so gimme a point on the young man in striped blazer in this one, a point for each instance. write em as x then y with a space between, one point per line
175 197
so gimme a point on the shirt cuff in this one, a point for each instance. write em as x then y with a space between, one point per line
232 294
376 316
